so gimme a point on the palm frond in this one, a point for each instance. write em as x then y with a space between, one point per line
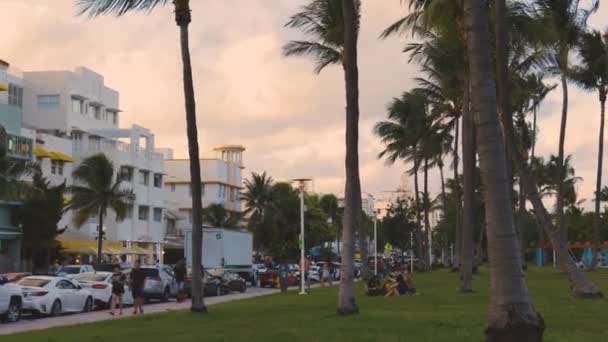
324 55
94 8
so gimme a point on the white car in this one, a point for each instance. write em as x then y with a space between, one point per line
314 273
54 296
10 301
100 286
71 271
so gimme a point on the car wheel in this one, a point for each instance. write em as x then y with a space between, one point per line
55 309
88 305
165 297
13 314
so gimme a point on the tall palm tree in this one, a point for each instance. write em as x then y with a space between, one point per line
183 18
95 191
257 197
592 74
509 288
216 215
401 136
580 284
567 22
12 171
332 27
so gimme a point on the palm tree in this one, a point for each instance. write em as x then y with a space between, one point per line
217 216
12 171
401 136
592 74
95 191
566 22
333 26
509 288
183 18
579 283
257 197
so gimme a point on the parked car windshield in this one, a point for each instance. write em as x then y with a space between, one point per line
34 282
92 277
69 269
150 272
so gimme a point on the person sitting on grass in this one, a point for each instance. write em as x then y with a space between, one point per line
401 287
374 287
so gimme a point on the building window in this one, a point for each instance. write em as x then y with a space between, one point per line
126 173
143 177
15 95
172 187
78 106
158 214
143 212
47 102
96 110
112 116
158 180
129 214
94 143
57 167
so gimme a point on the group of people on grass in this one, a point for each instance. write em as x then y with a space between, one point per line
394 284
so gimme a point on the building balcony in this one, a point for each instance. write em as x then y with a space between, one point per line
19 147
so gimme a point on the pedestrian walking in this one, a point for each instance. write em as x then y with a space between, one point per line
118 289
283 274
179 273
326 275
138 281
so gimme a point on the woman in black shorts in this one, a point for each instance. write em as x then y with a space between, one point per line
118 289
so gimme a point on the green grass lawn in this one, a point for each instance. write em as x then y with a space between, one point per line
439 313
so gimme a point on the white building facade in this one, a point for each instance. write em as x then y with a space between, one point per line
76 116
221 184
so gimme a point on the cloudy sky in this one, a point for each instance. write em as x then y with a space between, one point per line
290 120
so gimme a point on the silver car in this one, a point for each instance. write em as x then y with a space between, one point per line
160 283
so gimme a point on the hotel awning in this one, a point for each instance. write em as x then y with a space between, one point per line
3 87
59 156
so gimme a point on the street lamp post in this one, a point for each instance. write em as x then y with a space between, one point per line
302 187
375 244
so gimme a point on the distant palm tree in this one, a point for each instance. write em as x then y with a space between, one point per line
217 216
333 26
592 74
566 21
183 17
95 191
257 195
12 171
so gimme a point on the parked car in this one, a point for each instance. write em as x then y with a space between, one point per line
160 282
314 273
71 271
230 279
11 301
15 276
54 296
212 285
269 279
100 286
258 269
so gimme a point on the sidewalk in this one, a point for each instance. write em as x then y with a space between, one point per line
98 316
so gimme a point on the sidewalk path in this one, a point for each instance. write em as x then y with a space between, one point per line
97 316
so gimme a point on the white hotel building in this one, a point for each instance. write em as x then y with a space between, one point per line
76 115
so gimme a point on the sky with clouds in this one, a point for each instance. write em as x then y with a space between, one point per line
290 120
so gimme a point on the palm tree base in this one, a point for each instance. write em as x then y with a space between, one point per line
198 309
516 326
353 310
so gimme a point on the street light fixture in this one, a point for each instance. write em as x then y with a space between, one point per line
302 188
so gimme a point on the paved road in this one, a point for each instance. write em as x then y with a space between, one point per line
96 316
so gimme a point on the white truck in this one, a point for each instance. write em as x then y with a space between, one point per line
11 301
229 249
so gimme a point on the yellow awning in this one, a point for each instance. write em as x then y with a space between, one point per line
3 87
80 250
41 153
61 157
140 251
92 244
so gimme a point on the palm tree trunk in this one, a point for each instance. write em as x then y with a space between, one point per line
427 221
183 18
520 217
580 284
468 172
100 234
418 232
598 182
560 160
457 226
443 195
512 316
533 134
352 193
